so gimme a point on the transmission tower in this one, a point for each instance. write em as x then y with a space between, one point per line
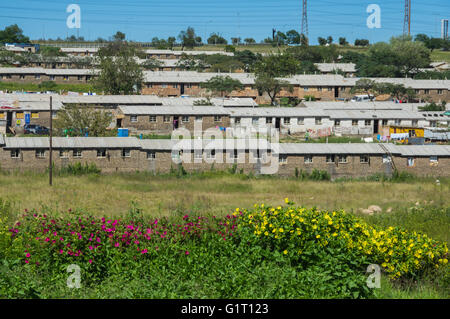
407 19
305 19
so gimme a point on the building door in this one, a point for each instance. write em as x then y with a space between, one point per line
375 126
8 122
175 122
181 88
277 123
119 123
336 92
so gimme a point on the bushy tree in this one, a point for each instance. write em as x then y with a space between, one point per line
13 34
120 73
214 38
77 120
293 37
189 39
322 41
249 41
222 85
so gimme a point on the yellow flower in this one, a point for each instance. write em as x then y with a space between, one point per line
285 252
318 236
281 230
286 200
266 233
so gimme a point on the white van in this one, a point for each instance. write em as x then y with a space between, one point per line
362 98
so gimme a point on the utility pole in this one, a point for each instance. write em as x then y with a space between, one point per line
407 18
50 164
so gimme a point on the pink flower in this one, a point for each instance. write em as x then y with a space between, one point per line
61 251
186 253
116 244
26 261
90 261
144 251
90 247
28 255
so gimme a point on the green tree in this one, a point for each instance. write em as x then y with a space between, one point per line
270 69
249 41
222 85
51 51
13 34
119 73
235 41
343 41
366 86
322 41
152 64
293 37
214 38
75 121
119 36
330 39
189 39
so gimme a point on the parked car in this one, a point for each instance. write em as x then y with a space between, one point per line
362 98
36 129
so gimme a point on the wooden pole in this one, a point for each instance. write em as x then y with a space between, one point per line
50 164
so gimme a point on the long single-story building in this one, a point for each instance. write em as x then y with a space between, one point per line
118 154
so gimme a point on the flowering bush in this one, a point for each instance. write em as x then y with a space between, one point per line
298 232
293 252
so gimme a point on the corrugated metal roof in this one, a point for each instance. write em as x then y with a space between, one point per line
219 144
275 112
72 142
419 150
172 110
331 148
375 105
332 67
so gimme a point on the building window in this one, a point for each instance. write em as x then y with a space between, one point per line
282 159
301 121
308 159
133 118
37 76
217 118
384 122
40 153
63 154
65 77
305 88
235 155
287 120
410 162
434 159
342 158
364 159
101 153
77 154
166 119
149 85
211 154
337 122
175 86
318 120
255 121
15 153
237 120
151 155
268 120
319 89
152 118
164 85
439 92
80 77
330 89
185 119
398 122
367 122
330 159
355 122
189 85
52 77
198 119
126 152
426 91
433 123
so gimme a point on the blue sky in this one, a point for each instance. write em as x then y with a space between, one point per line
141 20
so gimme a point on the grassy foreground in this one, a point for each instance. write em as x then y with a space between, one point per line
196 262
